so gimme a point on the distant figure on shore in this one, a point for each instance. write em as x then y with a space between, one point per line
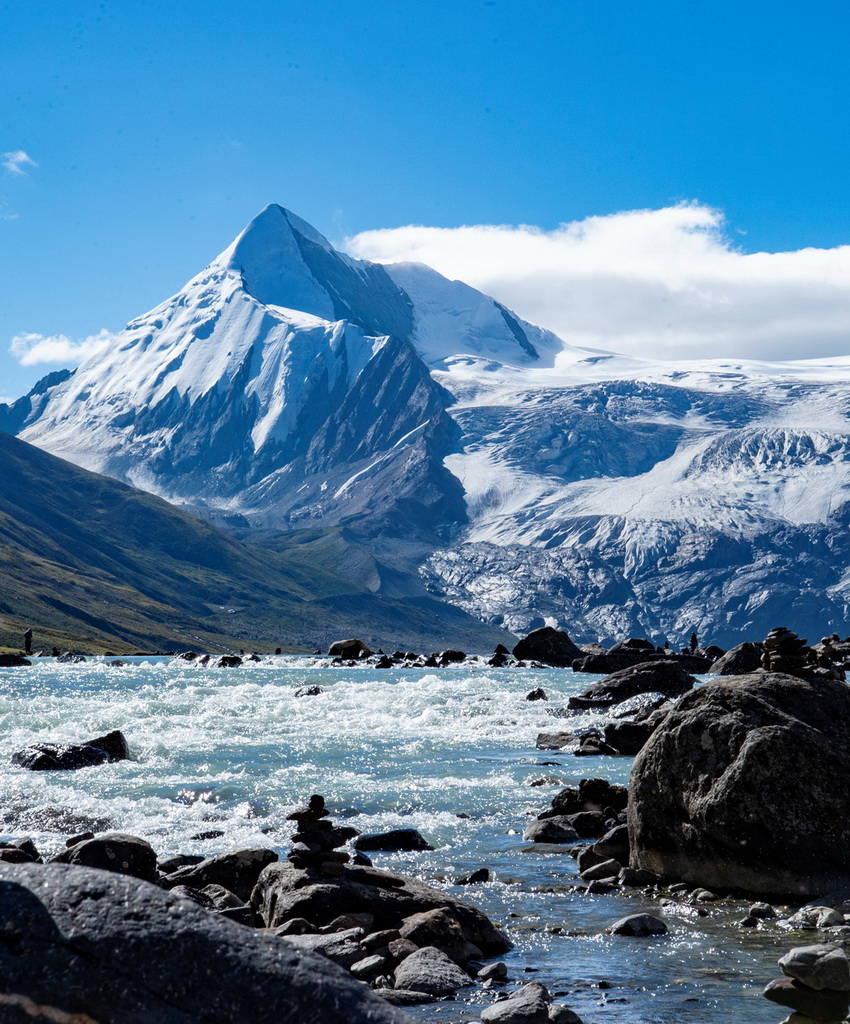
55 652
28 641
694 642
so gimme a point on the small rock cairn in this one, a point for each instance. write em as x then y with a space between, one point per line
816 986
784 651
317 842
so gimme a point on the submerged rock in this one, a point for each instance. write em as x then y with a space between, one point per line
739 787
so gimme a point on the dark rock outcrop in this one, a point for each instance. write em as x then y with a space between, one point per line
738 661
739 787
349 649
549 646
14 661
81 942
284 891
660 676
41 757
237 871
396 840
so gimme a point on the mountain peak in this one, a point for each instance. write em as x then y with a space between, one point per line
268 255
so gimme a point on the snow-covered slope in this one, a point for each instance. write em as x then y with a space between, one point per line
295 387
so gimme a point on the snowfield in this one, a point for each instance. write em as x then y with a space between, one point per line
525 480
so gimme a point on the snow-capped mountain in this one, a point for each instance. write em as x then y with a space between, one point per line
296 388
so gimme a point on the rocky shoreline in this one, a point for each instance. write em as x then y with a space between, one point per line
703 823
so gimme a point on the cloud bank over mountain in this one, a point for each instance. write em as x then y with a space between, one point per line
666 283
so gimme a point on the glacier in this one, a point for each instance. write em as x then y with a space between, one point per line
290 391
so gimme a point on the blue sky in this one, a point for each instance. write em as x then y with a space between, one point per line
140 137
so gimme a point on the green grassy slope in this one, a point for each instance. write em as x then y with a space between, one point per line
87 561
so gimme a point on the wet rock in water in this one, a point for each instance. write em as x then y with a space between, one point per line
530 1005
591 795
556 740
755 806
604 869
648 677
537 694
237 871
639 925
496 972
308 691
449 657
430 970
396 840
93 944
14 661
349 649
41 757
638 707
548 646
479 875
592 744
818 967
738 661
116 851
228 661
69 658
551 830
816 917
823 1005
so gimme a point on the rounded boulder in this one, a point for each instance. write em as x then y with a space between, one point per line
740 787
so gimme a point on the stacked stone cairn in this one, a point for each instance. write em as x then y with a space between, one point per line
784 651
816 986
317 842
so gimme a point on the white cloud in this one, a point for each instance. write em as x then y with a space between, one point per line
16 161
30 349
654 283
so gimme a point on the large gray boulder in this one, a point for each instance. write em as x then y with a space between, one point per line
91 945
744 658
742 787
548 645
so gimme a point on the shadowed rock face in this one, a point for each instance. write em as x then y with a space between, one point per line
112 948
742 787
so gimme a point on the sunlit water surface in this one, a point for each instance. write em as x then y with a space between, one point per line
450 752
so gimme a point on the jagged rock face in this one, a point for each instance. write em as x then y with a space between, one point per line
293 387
739 788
